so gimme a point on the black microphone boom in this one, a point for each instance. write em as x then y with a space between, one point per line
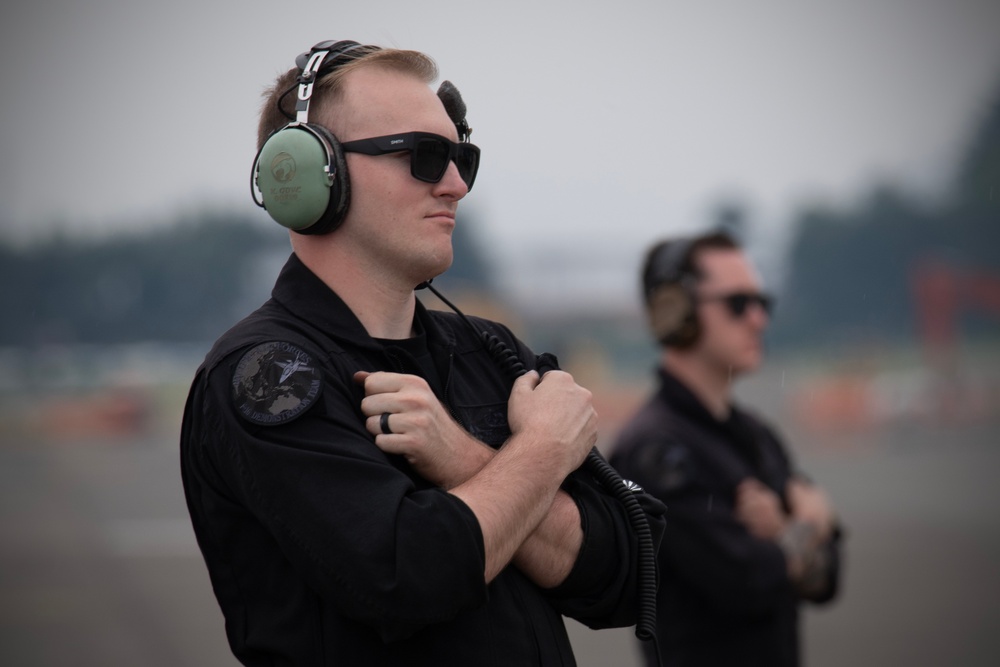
455 106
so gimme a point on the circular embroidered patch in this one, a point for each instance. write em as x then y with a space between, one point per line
274 383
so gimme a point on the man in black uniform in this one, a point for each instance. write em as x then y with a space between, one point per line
365 484
747 536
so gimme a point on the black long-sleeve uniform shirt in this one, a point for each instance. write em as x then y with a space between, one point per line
724 597
324 550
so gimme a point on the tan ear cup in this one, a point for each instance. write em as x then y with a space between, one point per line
668 307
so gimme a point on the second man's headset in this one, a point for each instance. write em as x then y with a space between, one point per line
299 175
669 282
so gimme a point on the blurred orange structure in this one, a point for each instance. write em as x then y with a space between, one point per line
115 414
862 398
941 293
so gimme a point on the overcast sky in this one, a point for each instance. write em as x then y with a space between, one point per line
603 125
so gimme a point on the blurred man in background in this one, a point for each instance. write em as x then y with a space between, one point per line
748 537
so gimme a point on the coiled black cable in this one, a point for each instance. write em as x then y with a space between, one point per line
606 476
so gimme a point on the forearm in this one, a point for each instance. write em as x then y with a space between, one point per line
807 559
510 491
807 539
549 552
510 496
547 556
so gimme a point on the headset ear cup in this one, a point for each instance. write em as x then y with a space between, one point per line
293 180
689 331
340 189
672 318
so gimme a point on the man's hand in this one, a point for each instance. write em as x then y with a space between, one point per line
810 505
800 536
759 509
440 450
555 415
511 491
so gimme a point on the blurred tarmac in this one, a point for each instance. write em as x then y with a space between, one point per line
99 567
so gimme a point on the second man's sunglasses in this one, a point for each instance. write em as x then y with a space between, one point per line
738 302
429 154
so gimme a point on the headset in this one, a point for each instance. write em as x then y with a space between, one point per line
300 172
669 289
299 176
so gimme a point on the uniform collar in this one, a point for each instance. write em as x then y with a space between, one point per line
303 293
678 395
736 428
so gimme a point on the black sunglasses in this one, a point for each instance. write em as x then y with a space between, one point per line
429 154
738 302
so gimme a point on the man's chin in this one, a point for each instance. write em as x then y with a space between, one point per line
745 364
753 361
435 270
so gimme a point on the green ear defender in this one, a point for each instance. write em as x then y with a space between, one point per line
300 173
301 176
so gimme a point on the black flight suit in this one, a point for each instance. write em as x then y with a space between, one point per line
324 550
724 597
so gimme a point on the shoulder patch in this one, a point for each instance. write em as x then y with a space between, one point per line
667 465
274 383
675 470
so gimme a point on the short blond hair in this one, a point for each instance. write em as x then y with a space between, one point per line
278 108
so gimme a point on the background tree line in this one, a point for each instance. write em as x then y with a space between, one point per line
852 273
186 282
849 272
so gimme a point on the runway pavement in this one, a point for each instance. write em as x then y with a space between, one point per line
98 565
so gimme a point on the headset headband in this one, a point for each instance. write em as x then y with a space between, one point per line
665 265
311 64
